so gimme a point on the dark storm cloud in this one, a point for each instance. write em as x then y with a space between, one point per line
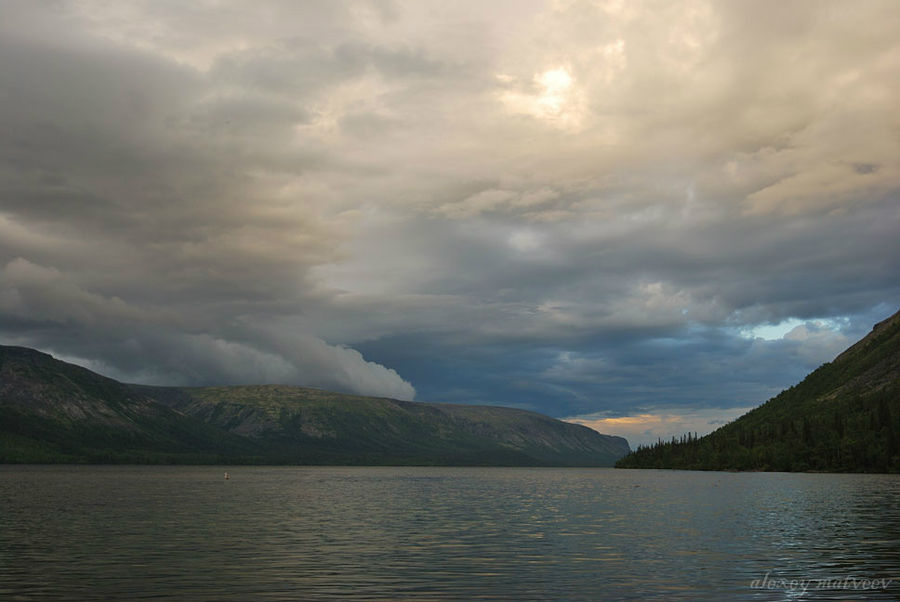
588 209
136 234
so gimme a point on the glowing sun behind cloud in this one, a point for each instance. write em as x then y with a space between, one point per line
595 209
552 97
556 84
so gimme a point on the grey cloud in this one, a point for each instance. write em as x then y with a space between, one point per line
538 206
246 114
163 345
303 67
138 228
367 125
618 375
664 271
295 67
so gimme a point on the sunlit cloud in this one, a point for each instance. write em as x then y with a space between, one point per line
648 428
552 98
582 208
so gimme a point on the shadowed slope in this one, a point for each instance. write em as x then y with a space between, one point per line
844 416
53 411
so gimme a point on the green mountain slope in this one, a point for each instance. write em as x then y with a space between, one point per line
843 417
315 426
51 411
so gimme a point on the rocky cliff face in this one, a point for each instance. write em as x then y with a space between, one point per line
54 411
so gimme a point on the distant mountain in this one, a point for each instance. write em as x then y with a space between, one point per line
52 411
843 417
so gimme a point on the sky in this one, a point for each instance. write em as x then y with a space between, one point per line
647 217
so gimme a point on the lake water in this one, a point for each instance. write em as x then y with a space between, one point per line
333 533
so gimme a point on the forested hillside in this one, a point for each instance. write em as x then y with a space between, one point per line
843 417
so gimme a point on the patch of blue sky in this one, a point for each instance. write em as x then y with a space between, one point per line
774 332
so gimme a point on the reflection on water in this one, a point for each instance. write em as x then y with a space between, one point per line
287 533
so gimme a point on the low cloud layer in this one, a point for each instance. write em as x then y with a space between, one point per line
584 208
647 429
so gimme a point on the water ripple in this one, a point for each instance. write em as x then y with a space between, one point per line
92 533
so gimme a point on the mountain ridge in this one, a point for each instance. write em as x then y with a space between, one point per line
53 411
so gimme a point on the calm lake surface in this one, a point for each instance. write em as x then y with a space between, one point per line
333 533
